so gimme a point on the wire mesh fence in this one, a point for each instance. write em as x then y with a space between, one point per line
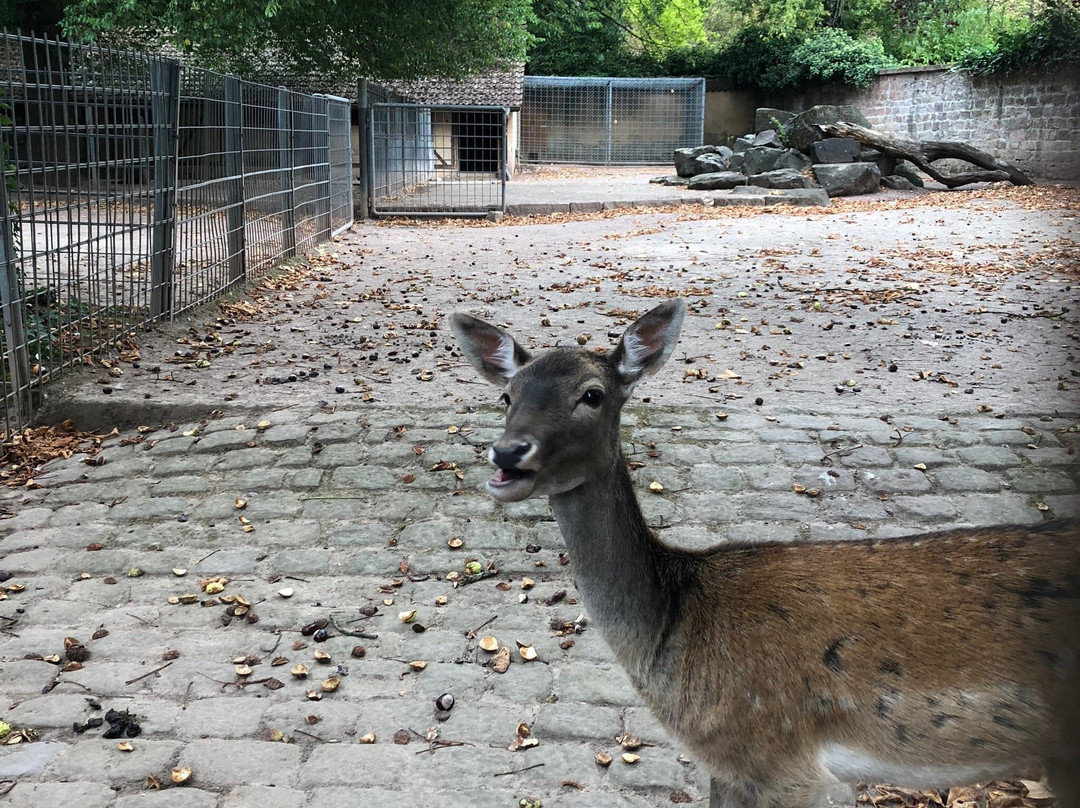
135 187
609 120
437 160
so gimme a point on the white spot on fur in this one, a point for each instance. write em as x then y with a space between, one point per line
853 765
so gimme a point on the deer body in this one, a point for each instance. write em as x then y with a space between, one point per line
926 661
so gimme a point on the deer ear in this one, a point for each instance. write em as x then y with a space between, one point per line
648 342
493 352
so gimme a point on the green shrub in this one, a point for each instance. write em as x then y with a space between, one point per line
758 59
831 56
1052 38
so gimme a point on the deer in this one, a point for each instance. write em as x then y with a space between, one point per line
794 671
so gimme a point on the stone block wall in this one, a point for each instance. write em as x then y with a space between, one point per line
1030 118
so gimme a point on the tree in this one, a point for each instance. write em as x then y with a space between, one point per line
347 38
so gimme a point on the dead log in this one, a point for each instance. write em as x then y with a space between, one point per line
923 153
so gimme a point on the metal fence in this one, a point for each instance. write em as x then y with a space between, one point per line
609 120
437 160
136 187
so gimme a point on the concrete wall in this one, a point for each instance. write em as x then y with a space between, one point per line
728 114
1029 118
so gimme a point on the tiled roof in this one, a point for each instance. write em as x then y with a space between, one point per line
497 88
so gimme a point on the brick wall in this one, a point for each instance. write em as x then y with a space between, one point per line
1029 118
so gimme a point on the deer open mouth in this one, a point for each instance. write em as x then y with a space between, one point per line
510 485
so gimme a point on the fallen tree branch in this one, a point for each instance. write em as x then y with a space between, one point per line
923 153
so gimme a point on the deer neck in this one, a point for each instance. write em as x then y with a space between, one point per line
620 569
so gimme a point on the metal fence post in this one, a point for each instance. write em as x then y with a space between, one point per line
327 213
234 173
607 124
11 301
285 163
165 90
363 144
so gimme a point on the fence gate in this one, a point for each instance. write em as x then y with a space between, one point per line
430 160
609 120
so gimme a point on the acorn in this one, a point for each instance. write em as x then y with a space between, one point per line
445 702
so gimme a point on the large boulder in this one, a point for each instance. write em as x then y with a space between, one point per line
768 138
801 132
718 181
708 164
755 195
848 179
741 144
769 118
836 150
780 178
897 183
760 159
909 172
684 159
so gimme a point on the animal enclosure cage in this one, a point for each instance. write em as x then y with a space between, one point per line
610 120
135 187
437 160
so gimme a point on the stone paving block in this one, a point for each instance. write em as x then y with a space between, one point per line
988 457
74 515
230 763
744 454
958 478
38 795
768 478
774 506
825 478
577 722
187 797
895 481
926 508
269 797
595 684
285 435
836 532
247 459
184 485
1041 481
228 439
748 531
93 758
26 760
1063 506
170 446
909 456
861 458
997 509
1048 457
412 795
706 507
225 717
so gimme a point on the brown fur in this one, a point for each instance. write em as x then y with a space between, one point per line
939 658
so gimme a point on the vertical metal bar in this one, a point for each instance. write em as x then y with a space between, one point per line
11 300
503 158
165 109
234 179
369 158
607 124
363 110
348 163
327 214
285 164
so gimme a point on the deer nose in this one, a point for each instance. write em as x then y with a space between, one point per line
508 457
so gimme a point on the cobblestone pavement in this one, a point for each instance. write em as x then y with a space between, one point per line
352 505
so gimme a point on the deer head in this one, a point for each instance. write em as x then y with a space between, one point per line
562 420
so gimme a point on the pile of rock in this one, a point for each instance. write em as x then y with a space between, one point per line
788 151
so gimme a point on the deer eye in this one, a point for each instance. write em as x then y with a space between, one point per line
593 397
504 399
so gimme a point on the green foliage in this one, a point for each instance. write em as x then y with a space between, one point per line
831 56
404 39
782 18
757 59
1052 38
584 38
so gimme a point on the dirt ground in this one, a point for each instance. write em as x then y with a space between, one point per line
941 302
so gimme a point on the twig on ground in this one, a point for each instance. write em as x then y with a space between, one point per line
154 672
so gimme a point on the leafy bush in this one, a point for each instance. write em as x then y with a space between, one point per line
1052 38
758 59
832 57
